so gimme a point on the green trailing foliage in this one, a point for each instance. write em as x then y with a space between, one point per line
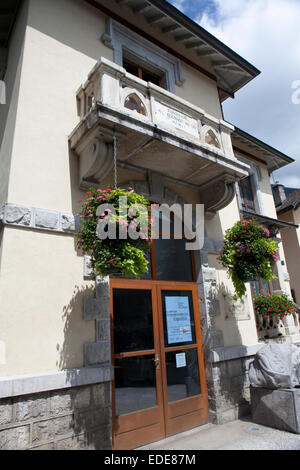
127 257
248 254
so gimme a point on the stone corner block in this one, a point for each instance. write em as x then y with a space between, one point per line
217 339
209 274
17 215
96 308
67 223
102 287
97 353
103 330
87 270
46 219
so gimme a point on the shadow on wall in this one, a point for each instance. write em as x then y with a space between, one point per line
72 346
85 410
8 111
71 22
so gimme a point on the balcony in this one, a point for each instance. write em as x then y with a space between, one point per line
156 131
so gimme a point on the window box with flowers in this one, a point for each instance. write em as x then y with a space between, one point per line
121 255
248 254
273 306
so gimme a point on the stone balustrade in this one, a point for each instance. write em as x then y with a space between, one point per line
110 84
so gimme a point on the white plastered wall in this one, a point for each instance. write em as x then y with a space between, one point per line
41 292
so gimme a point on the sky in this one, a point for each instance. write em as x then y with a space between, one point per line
267 34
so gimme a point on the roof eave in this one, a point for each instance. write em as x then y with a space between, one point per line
288 208
274 225
177 15
274 158
230 71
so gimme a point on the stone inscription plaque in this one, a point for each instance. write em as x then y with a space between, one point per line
176 119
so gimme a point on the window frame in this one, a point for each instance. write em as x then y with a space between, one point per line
261 289
243 199
126 42
142 69
153 258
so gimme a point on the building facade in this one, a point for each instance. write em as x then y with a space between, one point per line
85 366
288 209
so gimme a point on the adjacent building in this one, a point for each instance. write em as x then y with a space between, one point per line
85 366
287 203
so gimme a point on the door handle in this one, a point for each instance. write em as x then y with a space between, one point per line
156 360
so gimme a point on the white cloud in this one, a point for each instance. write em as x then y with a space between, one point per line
267 33
178 4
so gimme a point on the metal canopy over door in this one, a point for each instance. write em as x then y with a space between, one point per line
159 386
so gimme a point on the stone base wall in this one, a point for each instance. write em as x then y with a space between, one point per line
73 418
229 390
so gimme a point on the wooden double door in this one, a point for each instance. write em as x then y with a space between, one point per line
159 387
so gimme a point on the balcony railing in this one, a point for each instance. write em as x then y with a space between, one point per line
113 86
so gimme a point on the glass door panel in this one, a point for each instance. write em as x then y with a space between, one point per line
137 393
133 322
183 380
185 396
178 317
135 384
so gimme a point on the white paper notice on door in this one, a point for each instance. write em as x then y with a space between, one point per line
180 360
178 319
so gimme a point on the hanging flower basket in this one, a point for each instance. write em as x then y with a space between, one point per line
109 217
248 254
250 279
273 306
